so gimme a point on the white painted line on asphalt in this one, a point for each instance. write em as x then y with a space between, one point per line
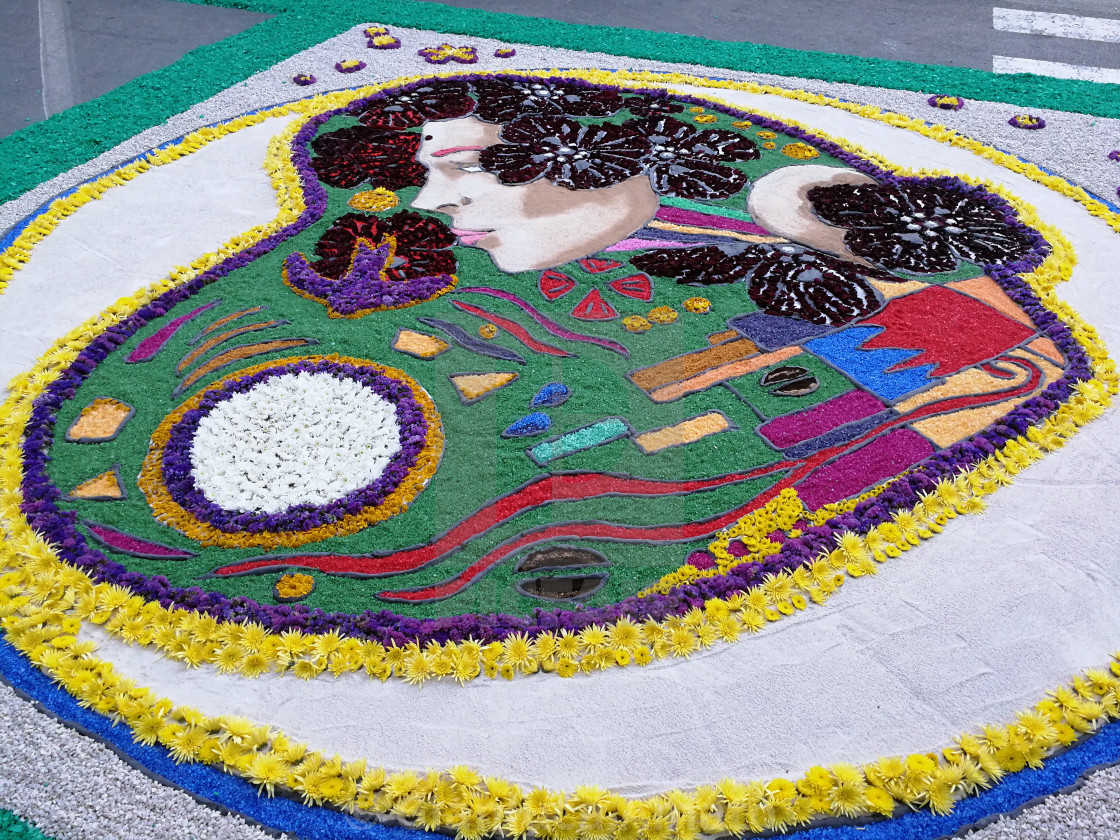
55 60
1062 26
1004 64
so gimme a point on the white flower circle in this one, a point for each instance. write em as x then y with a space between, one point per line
298 438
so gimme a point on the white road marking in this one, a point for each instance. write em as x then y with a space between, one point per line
55 59
1061 26
1056 69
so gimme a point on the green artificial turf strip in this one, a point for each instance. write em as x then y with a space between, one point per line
46 149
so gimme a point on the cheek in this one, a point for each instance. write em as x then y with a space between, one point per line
542 200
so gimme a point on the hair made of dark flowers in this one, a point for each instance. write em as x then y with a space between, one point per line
545 133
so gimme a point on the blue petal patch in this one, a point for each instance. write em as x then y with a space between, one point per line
529 425
876 370
551 395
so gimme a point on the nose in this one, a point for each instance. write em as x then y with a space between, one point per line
440 195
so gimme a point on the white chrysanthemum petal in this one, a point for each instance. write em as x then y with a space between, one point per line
293 439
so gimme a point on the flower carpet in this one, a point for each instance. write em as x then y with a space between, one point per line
405 435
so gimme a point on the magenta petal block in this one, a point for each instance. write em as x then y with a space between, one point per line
804 425
147 349
136 546
882 458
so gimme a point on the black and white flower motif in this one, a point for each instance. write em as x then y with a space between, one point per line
919 227
689 163
785 280
579 157
503 100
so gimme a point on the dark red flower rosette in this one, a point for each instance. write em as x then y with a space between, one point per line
579 157
784 280
919 227
352 156
688 163
439 100
422 244
709 265
794 282
503 100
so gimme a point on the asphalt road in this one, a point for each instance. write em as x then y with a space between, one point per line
57 53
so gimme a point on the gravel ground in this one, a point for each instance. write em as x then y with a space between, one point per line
1090 813
95 795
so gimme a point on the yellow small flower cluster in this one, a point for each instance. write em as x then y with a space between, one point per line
374 201
662 315
295 585
779 514
697 305
766 135
488 331
800 151
705 118
636 323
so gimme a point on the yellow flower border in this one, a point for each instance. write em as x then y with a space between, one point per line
172 514
42 601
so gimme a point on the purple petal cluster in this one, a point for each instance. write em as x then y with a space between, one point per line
357 292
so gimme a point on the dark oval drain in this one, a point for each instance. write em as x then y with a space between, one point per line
790 381
560 557
566 588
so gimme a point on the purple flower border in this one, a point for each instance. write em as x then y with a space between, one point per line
181 485
59 527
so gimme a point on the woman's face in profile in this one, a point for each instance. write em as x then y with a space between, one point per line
526 227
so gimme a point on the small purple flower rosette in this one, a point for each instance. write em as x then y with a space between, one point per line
1027 121
1114 155
384 42
350 66
946 103
304 79
505 52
